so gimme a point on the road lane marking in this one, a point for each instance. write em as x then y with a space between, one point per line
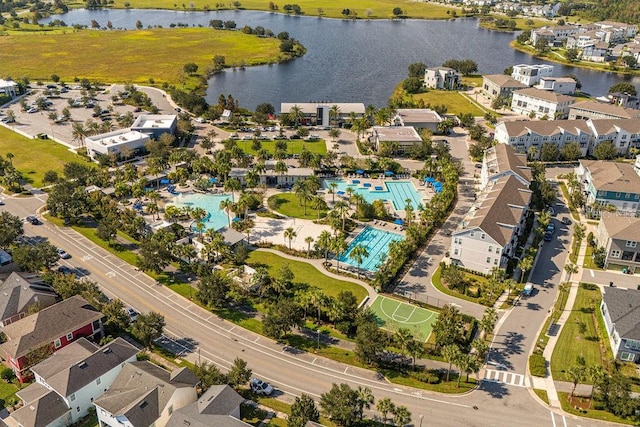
591 272
110 274
142 287
553 419
564 421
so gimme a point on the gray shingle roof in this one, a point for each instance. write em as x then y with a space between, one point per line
47 325
41 412
72 378
624 311
545 95
65 357
141 392
213 409
503 80
621 227
20 290
613 176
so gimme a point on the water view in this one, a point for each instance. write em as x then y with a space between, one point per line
396 192
377 244
347 61
216 218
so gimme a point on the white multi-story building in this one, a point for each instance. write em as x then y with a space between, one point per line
489 234
601 110
522 135
563 85
405 136
541 103
502 160
530 74
610 184
114 142
8 88
441 78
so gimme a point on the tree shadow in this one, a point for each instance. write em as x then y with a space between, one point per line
533 306
494 389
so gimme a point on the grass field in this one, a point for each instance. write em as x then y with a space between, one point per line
330 8
159 53
288 204
394 314
293 146
572 343
307 273
455 102
51 155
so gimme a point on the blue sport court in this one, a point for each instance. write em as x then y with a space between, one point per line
377 244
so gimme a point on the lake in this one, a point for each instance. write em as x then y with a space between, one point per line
346 61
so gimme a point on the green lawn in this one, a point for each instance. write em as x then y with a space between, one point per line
378 9
7 392
565 194
456 103
592 413
573 344
288 204
293 146
51 155
307 273
542 394
39 55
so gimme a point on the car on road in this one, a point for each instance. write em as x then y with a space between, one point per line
32 110
1 202
7 120
67 270
63 254
33 220
133 315
551 228
260 387
548 236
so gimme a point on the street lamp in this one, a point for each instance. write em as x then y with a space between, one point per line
318 334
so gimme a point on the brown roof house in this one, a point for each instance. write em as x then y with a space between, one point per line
144 394
32 339
21 292
69 381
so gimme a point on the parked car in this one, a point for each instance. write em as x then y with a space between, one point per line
260 387
67 270
32 110
63 254
566 220
133 315
1 202
551 228
551 211
33 220
547 237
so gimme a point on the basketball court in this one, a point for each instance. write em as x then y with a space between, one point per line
393 315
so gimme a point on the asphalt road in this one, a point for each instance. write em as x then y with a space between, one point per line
202 335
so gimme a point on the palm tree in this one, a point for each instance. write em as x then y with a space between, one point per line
464 362
489 319
308 240
342 208
324 242
10 157
232 185
78 132
200 228
403 337
575 374
334 113
318 204
415 349
358 253
596 374
525 264
152 208
350 192
365 399
570 269
248 225
290 234
338 246
296 114
333 185
450 353
226 205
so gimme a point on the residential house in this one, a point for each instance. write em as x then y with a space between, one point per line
78 374
588 134
596 52
144 395
217 407
541 103
627 49
47 331
404 136
441 78
610 183
8 88
114 142
155 125
489 234
554 36
502 160
563 85
618 31
620 310
272 178
319 113
530 74
21 292
601 110
419 118
622 99
495 85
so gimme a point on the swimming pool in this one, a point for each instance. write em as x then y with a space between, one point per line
216 218
396 191
376 242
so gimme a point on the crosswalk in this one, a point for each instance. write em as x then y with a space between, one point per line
504 377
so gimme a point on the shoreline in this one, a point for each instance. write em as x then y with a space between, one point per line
584 65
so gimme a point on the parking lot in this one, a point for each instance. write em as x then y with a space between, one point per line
37 121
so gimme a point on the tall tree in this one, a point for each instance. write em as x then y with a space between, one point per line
303 410
239 374
148 327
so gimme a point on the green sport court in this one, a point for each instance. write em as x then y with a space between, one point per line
393 315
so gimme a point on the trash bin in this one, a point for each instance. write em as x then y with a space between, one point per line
624 270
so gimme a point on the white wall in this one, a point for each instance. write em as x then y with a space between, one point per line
473 251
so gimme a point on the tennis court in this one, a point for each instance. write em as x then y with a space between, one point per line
393 315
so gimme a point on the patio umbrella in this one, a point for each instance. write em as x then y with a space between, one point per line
213 180
360 172
398 222
165 181
388 173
